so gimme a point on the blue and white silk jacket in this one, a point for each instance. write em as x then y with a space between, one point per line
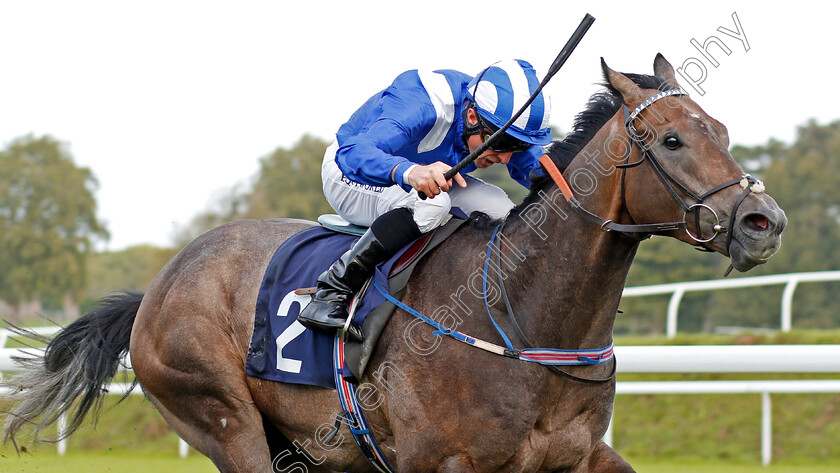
417 120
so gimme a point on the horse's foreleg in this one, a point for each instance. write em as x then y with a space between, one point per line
603 459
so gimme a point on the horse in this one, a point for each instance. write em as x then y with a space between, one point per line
433 404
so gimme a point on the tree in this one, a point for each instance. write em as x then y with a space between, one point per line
47 223
805 179
227 206
133 268
289 182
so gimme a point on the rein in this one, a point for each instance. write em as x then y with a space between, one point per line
747 182
544 356
518 329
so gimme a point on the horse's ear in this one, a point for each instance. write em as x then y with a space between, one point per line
662 68
631 92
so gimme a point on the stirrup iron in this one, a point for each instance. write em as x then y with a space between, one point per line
343 333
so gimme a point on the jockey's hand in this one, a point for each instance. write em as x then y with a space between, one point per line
429 179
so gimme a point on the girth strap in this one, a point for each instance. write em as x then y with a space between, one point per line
353 414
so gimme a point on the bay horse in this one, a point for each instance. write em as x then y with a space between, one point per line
433 404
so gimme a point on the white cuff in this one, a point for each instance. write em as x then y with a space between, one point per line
405 174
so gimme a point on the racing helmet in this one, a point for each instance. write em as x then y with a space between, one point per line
500 90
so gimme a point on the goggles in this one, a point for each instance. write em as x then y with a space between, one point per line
504 143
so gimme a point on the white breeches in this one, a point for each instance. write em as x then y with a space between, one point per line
362 204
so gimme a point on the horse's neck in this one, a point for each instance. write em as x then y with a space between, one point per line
569 285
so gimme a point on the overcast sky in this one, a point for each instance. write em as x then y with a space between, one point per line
170 103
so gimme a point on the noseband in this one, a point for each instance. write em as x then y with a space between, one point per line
644 231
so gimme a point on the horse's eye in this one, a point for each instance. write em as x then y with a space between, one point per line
672 143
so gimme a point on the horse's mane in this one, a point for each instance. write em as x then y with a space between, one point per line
600 107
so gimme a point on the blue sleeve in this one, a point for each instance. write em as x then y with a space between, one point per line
521 164
368 157
383 128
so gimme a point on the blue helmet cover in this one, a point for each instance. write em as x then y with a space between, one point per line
499 91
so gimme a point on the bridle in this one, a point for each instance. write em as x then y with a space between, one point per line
634 230
674 187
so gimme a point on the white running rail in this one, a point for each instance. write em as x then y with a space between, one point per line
679 359
677 290
730 359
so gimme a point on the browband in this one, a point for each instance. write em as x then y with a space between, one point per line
661 95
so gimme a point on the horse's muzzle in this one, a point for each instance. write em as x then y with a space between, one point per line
757 234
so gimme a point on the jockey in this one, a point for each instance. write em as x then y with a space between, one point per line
403 140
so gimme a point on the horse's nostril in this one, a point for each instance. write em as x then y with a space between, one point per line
757 222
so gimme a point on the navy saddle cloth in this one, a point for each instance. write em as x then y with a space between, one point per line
281 348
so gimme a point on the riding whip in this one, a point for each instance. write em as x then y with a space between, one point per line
561 58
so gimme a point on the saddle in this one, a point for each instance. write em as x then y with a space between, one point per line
410 255
357 354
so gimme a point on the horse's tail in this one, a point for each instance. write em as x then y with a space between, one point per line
76 363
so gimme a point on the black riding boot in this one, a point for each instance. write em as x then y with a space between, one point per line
337 285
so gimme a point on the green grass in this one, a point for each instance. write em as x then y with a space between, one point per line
131 427
652 465
104 462
727 427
